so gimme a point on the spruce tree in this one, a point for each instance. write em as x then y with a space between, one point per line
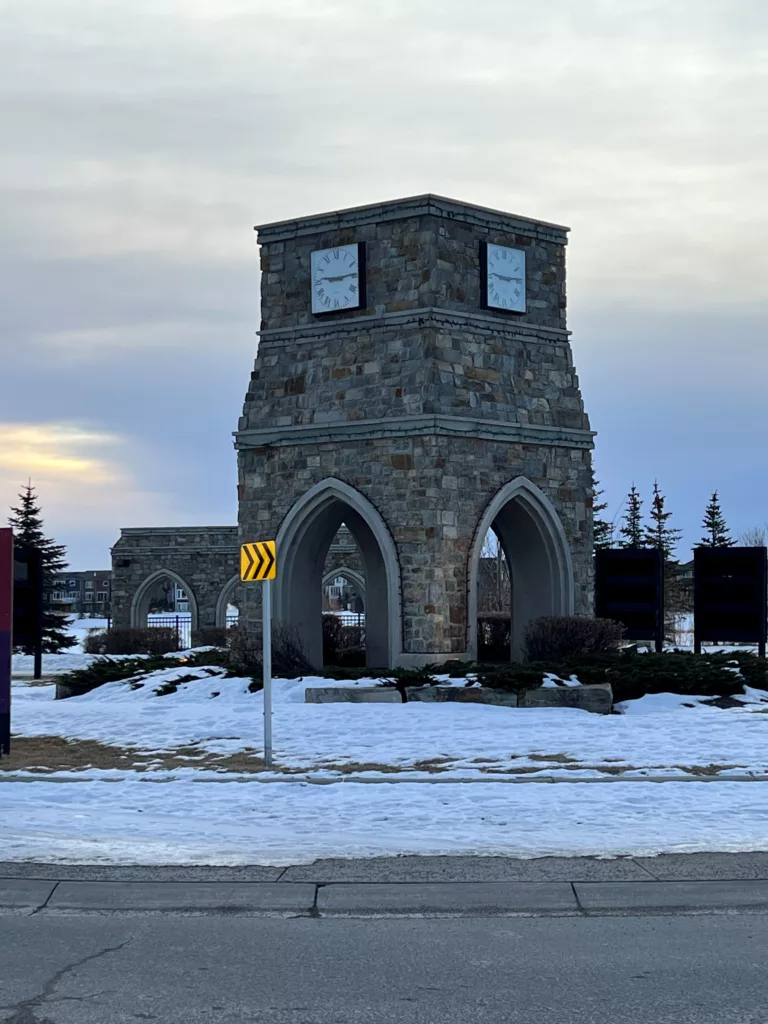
602 528
716 533
658 534
27 523
631 531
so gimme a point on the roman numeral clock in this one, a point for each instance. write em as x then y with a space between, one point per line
502 277
338 278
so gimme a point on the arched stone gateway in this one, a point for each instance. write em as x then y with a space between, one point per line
302 546
203 560
352 576
419 394
143 596
536 547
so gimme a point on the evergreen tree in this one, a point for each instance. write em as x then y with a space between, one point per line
603 529
716 533
27 523
632 526
658 534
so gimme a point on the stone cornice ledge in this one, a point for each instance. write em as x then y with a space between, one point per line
422 316
428 204
413 426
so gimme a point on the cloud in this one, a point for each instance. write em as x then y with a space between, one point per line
83 477
141 141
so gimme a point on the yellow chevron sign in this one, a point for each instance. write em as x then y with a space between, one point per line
257 561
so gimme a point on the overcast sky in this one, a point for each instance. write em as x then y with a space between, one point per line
142 139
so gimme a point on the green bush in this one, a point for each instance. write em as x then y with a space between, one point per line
632 675
107 670
557 637
129 640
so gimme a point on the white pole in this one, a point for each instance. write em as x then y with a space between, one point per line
266 629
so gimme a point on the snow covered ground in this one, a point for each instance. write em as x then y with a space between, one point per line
187 784
658 735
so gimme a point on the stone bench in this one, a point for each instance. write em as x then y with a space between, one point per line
595 697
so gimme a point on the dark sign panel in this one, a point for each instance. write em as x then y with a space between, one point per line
6 617
730 595
629 587
27 596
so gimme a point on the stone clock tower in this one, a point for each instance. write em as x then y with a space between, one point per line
414 380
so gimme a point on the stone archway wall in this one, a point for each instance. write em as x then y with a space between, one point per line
203 559
538 553
303 541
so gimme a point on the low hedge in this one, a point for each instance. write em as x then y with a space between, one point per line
632 675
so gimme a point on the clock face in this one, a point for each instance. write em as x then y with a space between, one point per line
336 278
505 278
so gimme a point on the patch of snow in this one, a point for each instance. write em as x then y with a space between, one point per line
189 820
659 730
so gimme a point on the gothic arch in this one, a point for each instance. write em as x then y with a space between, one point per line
140 602
223 600
351 575
303 540
537 552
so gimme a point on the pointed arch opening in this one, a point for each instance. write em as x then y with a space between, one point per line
303 542
164 593
521 530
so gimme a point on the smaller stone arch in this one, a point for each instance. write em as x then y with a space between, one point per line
303 540
538 554
352 575
140 602
224 599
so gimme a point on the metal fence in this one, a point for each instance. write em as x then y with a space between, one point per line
182 625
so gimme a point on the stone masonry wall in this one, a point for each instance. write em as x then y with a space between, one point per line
431 492
205 558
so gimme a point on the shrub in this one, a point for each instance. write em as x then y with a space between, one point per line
107 670
288 658
210 636
332 638
494 634
559 637
130 640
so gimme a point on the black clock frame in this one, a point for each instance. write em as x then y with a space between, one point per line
484 303
361 281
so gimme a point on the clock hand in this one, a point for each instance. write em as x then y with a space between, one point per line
337 277
503 277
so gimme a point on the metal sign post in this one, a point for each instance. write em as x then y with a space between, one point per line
6 640
258 563
266 657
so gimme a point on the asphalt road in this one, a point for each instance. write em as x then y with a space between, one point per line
114 969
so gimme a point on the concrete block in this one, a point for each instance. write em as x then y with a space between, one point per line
713 895
439 897
706 866
170 896
462 695
24 893
352 695
596 697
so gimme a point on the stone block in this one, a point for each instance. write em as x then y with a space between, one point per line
352 695
596 697
462 695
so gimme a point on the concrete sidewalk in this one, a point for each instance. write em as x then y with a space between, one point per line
399 886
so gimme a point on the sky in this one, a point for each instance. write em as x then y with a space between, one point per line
142 140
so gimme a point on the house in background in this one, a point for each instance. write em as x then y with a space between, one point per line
82 594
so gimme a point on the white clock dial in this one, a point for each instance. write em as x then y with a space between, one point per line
336 278
505 271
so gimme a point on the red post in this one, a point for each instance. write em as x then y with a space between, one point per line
6 642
